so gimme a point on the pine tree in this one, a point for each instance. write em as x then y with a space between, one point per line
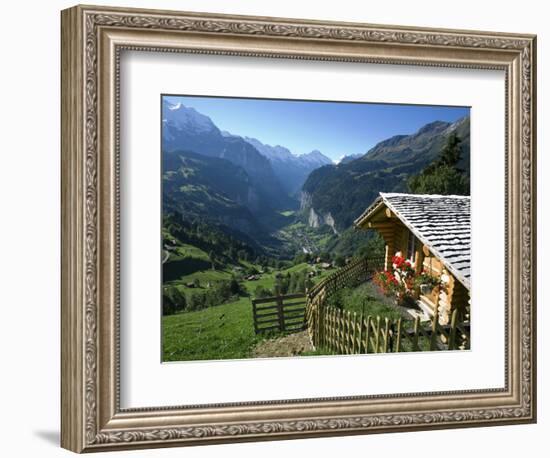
443 176
450 155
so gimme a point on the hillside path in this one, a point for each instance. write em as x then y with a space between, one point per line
291 345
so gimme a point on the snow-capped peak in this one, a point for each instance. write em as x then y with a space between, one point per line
186 118
316 157
273 153
344 159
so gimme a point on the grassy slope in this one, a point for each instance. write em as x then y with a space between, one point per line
225 331
365 299
266 280
204 276
287 213
188 251
222 332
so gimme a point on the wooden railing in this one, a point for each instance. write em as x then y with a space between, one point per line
279 313
358 270
343 332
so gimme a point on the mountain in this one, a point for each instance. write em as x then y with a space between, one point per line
315 159
292 170
273 153
210 189
336 194
184 128
349 158
423 145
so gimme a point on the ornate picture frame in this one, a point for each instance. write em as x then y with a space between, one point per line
92 41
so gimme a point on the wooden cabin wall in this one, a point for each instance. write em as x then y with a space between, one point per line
402 234
451 295
396 237
461 300
446 297
401 239
388 232
394 233
433 267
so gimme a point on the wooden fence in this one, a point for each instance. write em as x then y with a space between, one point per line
279 313
343 332
358 270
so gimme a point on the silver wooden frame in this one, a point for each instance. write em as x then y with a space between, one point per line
92 40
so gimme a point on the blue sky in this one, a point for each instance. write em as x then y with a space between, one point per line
334 128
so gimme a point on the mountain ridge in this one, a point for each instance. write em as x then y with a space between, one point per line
384 168
214 189
291 169
185 128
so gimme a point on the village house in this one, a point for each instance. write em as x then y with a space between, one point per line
433 233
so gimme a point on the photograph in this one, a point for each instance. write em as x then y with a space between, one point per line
296 228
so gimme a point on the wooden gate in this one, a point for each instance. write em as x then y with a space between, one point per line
279 313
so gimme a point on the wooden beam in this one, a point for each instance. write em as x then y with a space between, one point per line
389 213
388 256
426 250
380 225
385 230
418 260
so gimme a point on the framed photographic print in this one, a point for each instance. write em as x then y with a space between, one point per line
278 228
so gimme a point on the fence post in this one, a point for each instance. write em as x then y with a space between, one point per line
345 327
367 335
255 318
309 318
360 338
435 323
335 330
452 332
398 339
354 333
348 333
280 313
377 337
391 337
351 332
330 330
326 327
320 320
386 336
318 323
340 332
415 336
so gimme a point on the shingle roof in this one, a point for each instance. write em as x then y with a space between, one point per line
440 222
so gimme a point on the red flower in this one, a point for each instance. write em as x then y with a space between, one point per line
398 261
